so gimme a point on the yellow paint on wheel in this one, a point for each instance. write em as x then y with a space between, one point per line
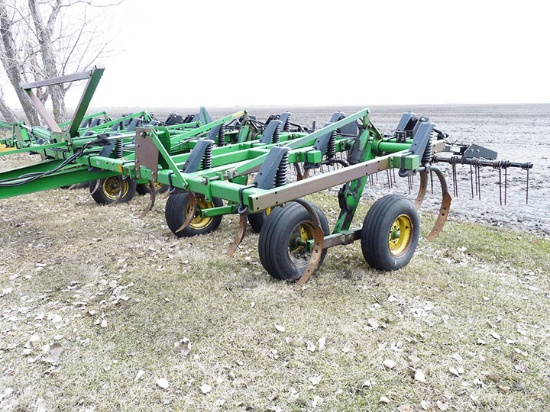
400 235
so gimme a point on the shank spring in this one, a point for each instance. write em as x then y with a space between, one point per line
280 175
331 147
428 153
118 149
221 136
207 159
276 134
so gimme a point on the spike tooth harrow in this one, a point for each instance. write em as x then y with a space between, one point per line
239 165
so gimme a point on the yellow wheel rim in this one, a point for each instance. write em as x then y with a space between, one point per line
4 148
400 235
111 187
200 222
297 243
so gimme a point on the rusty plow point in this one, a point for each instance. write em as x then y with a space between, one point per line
191 210
422 189
444 209
318 237
152 197
240 235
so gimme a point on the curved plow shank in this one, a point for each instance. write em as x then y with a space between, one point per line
240 235
152 197
96 187
445 206
422 189
299 174
318 237
192 205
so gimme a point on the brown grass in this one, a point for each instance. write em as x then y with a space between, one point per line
121 294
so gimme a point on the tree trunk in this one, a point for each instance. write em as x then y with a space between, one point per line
44 35
9 115
13 69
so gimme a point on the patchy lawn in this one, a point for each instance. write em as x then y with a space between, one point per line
103 311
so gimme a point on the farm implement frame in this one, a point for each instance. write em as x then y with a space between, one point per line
261 171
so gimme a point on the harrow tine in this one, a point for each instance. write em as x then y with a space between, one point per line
478 182
505 184
472 180
500 185
527 188
455 180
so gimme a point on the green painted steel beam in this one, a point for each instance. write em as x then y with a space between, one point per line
94 76
205 128
66 177
307 140
35 149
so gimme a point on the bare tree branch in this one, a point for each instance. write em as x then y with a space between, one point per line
49 38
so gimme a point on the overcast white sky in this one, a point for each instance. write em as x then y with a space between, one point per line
246 52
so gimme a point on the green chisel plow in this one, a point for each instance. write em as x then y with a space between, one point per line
260 171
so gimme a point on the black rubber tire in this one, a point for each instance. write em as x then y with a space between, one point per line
109 189
257 220
390 233
143 188
274 243
176 213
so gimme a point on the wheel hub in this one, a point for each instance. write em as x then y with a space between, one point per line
400 235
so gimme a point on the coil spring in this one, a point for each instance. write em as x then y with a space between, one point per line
207 158
221 136
428 152
286 127
118 149
501 164
280 175
277 134
331 147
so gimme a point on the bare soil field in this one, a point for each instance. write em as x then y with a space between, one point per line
103 311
